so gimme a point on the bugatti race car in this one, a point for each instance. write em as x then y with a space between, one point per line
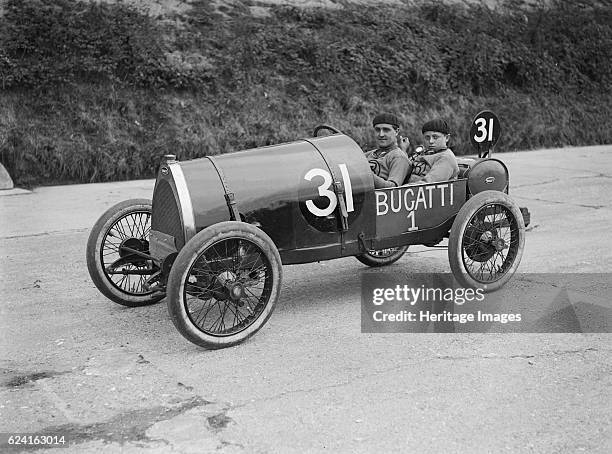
218 230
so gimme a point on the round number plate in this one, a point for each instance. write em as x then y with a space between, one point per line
485 131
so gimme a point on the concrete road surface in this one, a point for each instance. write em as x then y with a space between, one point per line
114 379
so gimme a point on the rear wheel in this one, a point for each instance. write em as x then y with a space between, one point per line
382 257
486 242
224 284
117 271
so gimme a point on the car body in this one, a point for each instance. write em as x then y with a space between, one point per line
277 189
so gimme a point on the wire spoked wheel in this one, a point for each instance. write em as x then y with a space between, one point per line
114 264
486 241
127 270
382 257
224 284
227 287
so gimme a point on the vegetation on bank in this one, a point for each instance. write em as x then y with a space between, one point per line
98 92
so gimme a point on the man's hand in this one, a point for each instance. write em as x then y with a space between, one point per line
404 143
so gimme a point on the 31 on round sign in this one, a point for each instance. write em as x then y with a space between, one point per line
485 131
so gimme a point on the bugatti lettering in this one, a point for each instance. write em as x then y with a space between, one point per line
325 190
411 199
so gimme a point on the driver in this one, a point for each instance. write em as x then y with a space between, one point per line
388 162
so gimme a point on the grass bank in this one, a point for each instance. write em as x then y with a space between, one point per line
99 92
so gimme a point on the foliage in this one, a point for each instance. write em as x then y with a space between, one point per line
46 42
91 91
416 51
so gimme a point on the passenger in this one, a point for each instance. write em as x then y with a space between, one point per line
388 162
438 162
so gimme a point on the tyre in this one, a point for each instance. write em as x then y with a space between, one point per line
382 257
224 284
486 241
119 274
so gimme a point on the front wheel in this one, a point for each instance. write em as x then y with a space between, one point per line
486 241
224 284
382 257
120 274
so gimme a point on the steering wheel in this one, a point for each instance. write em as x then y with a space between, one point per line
328 127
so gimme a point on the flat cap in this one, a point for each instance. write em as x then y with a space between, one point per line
437 125
387 118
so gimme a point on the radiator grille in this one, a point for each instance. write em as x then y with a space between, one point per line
165 214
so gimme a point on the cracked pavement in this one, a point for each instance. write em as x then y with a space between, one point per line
116 379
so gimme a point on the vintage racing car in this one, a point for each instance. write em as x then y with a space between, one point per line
218 229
